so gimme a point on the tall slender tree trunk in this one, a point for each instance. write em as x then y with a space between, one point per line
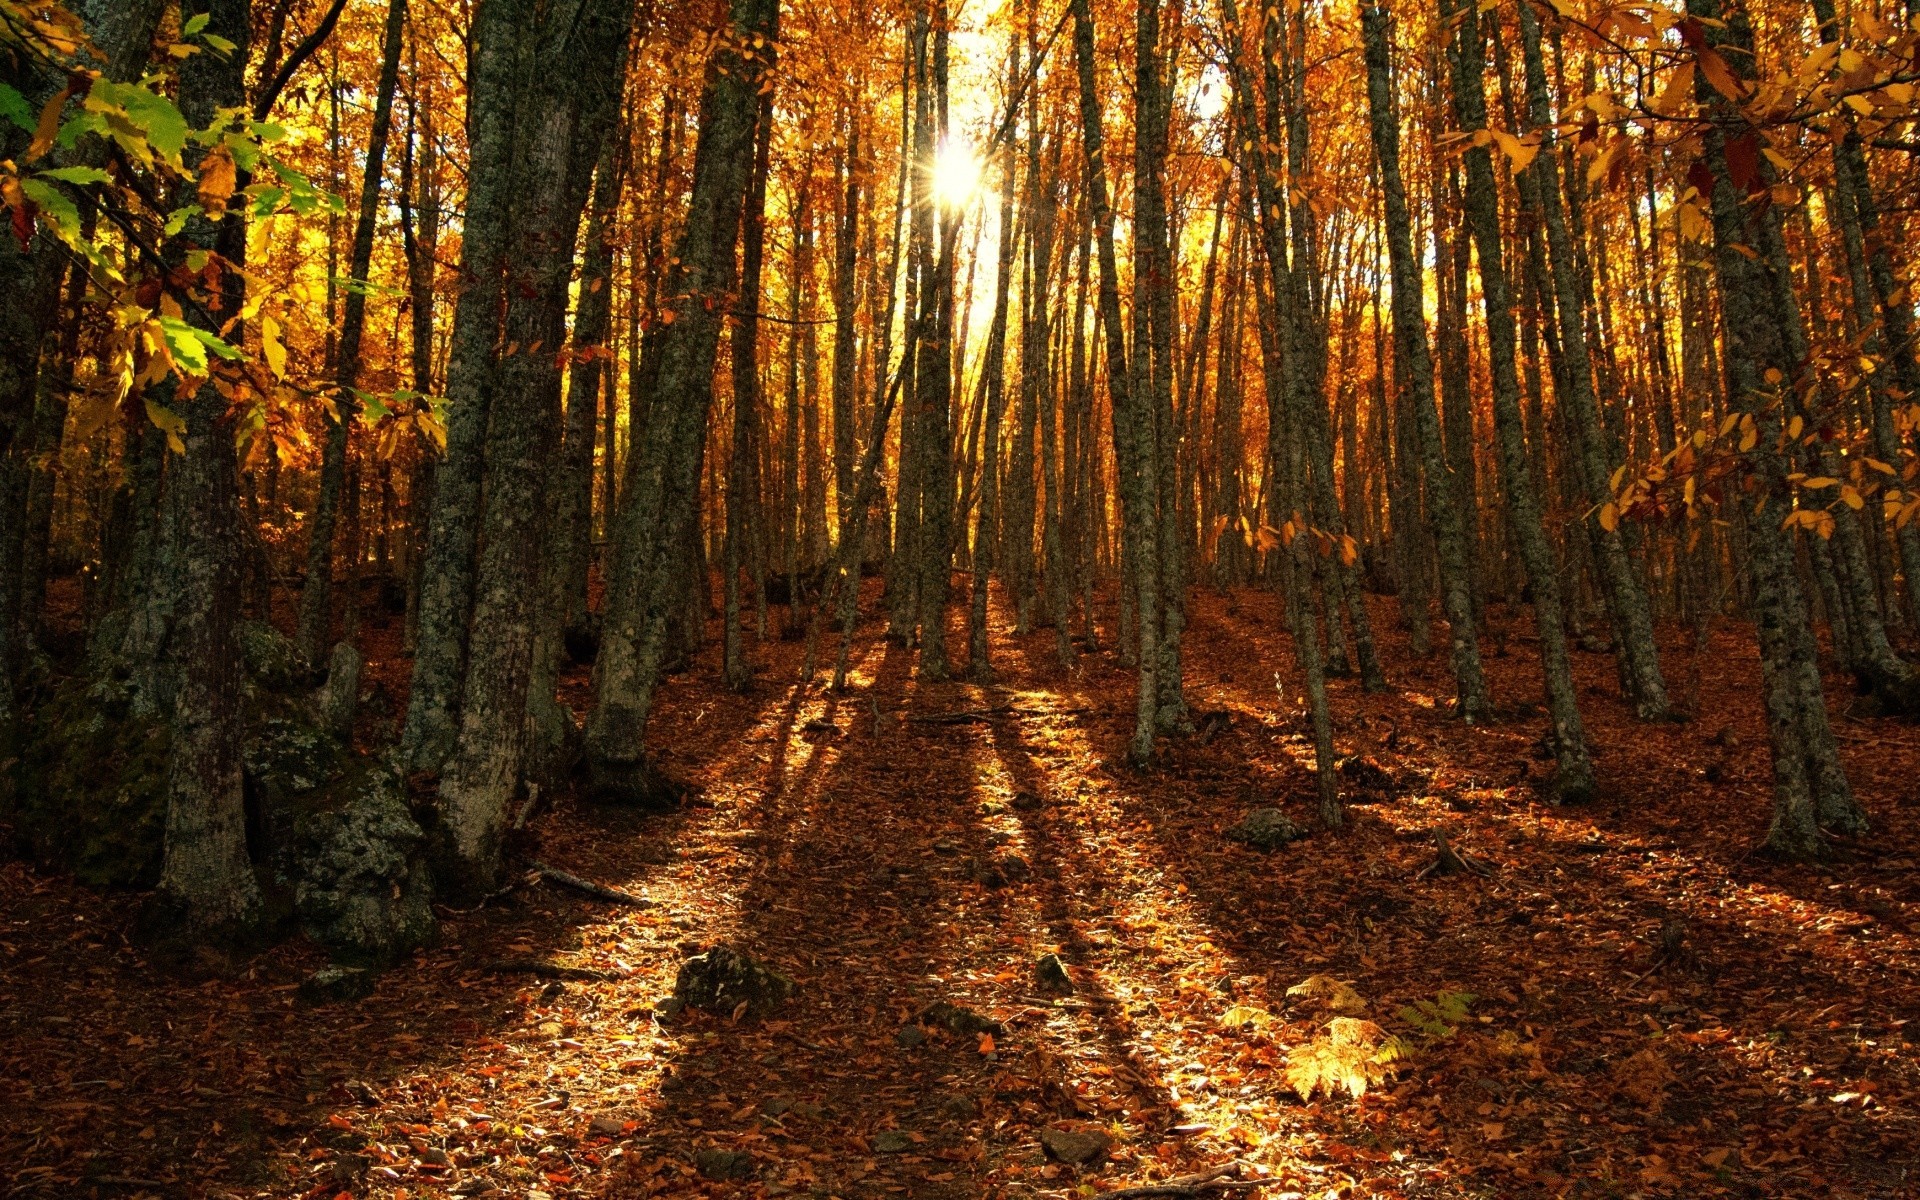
1132 416
663 475
316 606
1410 340
1573 779
1627 603
1810 789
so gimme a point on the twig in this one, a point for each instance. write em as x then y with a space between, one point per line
1221 1180
567 879
546 968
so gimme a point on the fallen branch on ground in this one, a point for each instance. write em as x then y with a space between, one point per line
546 968
1222 1180
598 891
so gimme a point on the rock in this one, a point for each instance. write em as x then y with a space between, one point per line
1265 829
891 1141
910 1036
286 755
357 864
957 1020
998 871
812 1112
338 700
90 789
1051 974
1027 801
475 1187
775 1106
669 1007
1074 1148
336 984
554 743
959 1108
722 979
273 661
608 1125
723 1166
350 1169
582 640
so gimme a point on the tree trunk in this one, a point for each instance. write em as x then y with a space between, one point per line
1410 341
316 608
563 122
663 473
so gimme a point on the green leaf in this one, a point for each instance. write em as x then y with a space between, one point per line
55 206
165 128
75 175
189 353
195 24
219 43
14 107
178 218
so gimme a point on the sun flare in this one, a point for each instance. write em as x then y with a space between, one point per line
955 174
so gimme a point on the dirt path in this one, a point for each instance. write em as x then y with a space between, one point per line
904 845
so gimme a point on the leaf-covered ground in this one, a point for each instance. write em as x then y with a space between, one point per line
905 844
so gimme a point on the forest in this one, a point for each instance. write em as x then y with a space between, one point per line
959 599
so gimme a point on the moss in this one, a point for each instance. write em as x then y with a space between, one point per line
91 787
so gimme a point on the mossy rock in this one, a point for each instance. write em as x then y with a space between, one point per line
286 755
722 979
1266 829
273 661
90 791
357 865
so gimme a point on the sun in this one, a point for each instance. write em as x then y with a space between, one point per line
955 174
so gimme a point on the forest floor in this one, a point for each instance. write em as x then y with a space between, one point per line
861 844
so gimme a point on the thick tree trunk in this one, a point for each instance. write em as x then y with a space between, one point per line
207 887
495 67
564 120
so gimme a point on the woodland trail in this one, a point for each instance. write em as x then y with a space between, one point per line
864 844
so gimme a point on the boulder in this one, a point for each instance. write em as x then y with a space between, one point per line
331 985
554 743
90 792
273 661
357 865
722 979
1368 775
338 700
957 1020
891 1141
1266 829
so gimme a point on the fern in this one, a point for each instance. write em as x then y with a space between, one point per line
1350 1055
1441 1016
1339 995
